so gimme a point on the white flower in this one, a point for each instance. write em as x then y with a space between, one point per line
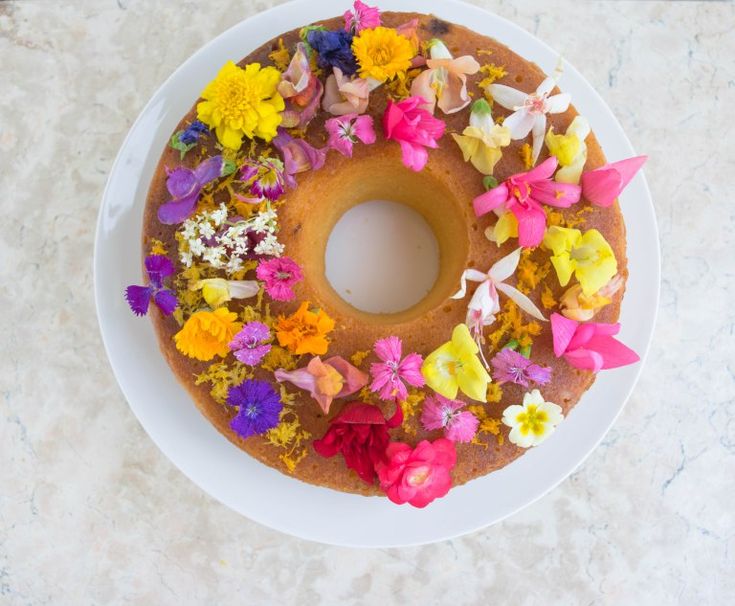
219 216
529 110
213 255
269 246
186 258
234 265
197 248
532 422
189 230
206 230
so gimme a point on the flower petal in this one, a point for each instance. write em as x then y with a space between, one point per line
521 300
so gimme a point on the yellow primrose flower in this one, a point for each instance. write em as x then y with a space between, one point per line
382 53
570 150
218 291
455 366
207 334
505 227
589 257
532 422
242 102
481 141
575 305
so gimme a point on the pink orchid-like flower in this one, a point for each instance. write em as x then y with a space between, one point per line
326 380
361 17
345 130
442 413
389 374
278 276
523 194
445 81
298 155
300 89
343 95
417 475
414 128
589 345
603 185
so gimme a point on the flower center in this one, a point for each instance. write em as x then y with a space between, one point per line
283 275
533 420
536 104
251 410
418 476
583 254
447 415
521 191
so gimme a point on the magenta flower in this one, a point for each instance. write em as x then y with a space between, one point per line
267 179
279 275
249 345
345 130
157 267
414 128
442 413
523 194
185 185
602 185
301 90
390 374
298 155
361 17
589 345
511 367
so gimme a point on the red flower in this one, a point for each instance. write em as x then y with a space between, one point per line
419 475
360 433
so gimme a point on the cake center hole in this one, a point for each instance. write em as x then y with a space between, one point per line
382 257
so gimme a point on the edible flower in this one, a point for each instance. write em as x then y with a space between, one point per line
382 53
344 95
361 17
242 102
602 185
417 475
207 334
298 155
360 433
529 110
157 267
445 81
325 380
392 371
455 365
589 257
505 227
278 276
185 185
481 141
184 140
570 149
304 331
218 291
523 194
250 345
442 413
258 407
414 128
266 178
300 89
512 367
334 49
589 345
575 305
345 130
532 422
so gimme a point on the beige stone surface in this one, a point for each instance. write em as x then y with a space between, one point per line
92 513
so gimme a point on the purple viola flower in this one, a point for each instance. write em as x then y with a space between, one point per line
298 155
190 135
249 345
258 407
334 49
511 367
267 177
158 267
185 185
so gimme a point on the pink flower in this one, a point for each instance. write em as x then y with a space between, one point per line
300 89
332 378
250 344
389 375
523 194
417 475
414 128
279 275
298 155
361 17
510 366
602 185
589 345
440 412
345 130
344 95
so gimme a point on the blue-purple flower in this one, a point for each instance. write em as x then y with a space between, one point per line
258 407
158 267
249 345
191 133
267 178
185 185
512 367
334 49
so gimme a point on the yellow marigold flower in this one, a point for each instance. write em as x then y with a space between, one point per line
587 256
207 334
382 53
305 332
242 102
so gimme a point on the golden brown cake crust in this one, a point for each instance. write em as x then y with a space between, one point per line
422 334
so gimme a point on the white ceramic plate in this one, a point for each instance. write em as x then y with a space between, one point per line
260 493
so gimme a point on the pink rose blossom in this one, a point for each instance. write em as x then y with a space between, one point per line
345 130
414 128
390 374
361 17
279 275
442 413
602 185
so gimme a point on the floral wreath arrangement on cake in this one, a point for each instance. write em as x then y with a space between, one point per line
407 406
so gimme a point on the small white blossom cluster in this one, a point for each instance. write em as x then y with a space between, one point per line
223 245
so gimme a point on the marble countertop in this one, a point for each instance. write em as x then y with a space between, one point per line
92 513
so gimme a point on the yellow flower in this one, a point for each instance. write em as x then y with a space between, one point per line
481 141
532 422
455 366
505 227
218 291
207 334
304 331
242 102
588 256
570 149
382 53
575 305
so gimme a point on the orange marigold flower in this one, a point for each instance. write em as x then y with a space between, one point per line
207 334
304 331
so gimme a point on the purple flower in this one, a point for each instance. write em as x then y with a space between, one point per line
157 267
510 366
267 178
185 185
249 344
258 407
190 135
298 155
334 49
442 413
